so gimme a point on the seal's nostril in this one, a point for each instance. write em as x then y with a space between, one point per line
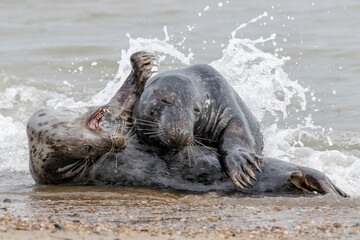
118 142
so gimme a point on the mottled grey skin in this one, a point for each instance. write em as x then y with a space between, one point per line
141 165
64 142
197 106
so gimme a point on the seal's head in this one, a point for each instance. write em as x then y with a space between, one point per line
63 143
167 111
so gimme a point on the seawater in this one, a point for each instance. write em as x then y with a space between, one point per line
300 82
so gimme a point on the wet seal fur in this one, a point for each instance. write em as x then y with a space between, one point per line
197 106
59 158
141 166
64 142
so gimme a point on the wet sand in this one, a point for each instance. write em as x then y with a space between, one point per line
69 212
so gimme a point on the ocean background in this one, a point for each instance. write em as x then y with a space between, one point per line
295 63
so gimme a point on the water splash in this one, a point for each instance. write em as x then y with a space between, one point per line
161 48
250 70
266 88
12 150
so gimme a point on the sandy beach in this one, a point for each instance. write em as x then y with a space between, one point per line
66 212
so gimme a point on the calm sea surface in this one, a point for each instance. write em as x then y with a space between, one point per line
296 64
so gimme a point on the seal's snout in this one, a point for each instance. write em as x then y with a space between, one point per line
179 138
118 143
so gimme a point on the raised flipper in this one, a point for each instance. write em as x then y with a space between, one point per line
122 103
142 64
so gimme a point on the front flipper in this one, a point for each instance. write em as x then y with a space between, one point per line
236 154
310 180
240 167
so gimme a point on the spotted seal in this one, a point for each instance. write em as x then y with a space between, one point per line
64 142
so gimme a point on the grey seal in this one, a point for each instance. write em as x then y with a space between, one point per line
197 106
64 142
141 165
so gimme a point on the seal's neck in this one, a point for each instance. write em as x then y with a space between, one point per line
217 118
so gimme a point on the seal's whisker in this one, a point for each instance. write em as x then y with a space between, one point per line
155 135
139 120
119 125
124 118
188 154
131 140
207 147
155 119
131 136
130 133
122 126
197 147
143 120
192 150
147 124
193 156
78 165
204 139
154 132
148 129
85 165
116 125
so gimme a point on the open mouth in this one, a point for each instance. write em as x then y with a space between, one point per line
94 123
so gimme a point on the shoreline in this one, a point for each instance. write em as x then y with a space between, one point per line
131 213
40 229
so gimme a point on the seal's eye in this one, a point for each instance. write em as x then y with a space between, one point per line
87 148
196 109
166 101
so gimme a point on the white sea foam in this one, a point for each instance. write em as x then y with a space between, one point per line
13 149
161 48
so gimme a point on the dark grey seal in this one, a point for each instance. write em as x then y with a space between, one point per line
142 166
197 106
